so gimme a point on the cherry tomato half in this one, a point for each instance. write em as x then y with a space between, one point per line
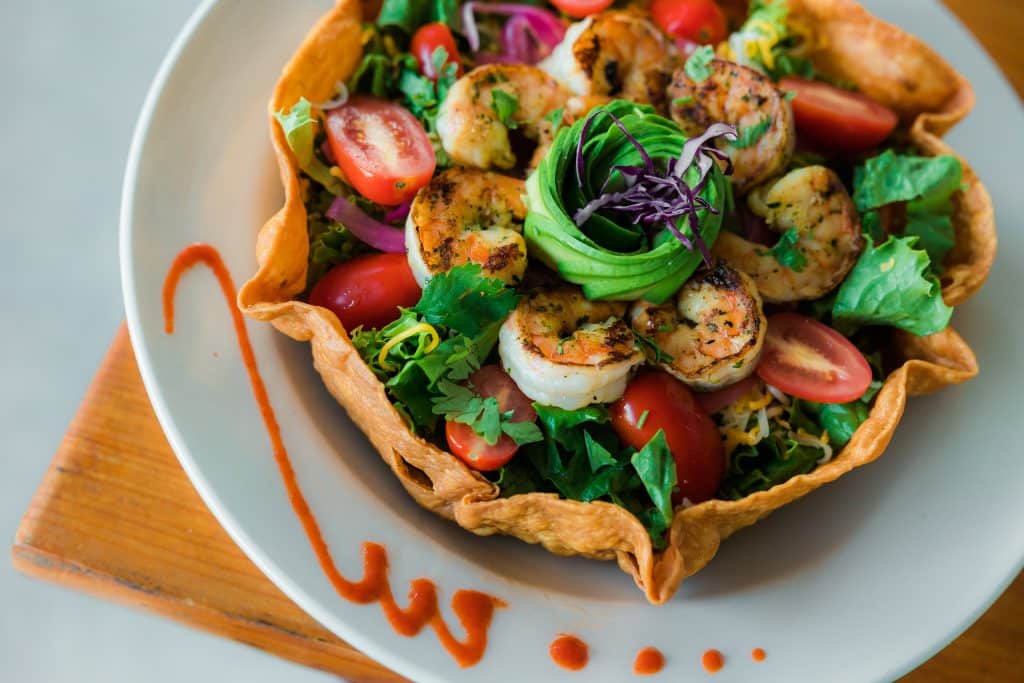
838 120
382 149
698 21
470 447
809 360
691 435
425 42
367 290
578 9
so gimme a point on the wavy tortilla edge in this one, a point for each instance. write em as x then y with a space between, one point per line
936 99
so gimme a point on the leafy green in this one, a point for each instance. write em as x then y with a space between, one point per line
890 285
466 310
505 105
299 128
786 252
466 302
926 184
409 15
698 66
749 136
462 404
556 118
581 458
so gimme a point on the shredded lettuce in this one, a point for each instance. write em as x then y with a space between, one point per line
925 184
890 285
767 43
299 127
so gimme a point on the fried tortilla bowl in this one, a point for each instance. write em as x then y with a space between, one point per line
883 61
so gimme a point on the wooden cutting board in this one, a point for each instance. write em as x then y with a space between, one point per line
117 517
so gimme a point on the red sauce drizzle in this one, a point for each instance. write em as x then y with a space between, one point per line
648 661
473 609
758 655
713 661
569 652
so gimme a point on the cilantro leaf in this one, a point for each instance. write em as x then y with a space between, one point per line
698 66
505 105
468 303
889 286
522 432
786 252
749 135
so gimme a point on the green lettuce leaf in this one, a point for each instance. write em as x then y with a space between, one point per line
890 285
926 184
299 128
656 468
409 15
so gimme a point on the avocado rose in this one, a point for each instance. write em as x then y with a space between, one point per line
624 205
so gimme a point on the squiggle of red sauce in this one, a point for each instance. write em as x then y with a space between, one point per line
473 608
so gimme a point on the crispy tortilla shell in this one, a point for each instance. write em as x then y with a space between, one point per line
882 60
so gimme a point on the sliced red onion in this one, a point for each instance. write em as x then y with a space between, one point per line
545 26
399 213
374 233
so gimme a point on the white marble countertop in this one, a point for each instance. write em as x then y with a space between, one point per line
74 77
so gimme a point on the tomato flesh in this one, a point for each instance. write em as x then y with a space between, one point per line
691 435
832 119
381 148
367 290
425 42
697 21
578 9
809 360
473 449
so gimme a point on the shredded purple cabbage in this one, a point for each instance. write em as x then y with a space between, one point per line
653 198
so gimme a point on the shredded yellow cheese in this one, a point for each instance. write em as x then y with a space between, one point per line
421 328
764 44
336 172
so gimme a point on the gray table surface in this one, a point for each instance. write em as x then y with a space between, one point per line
74 76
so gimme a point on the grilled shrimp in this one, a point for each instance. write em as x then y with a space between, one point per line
468 216
712 334
473 126
744 98
813 201
615 54
565 351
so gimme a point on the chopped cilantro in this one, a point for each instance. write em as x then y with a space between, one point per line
749 135
786 252
698 66
505 105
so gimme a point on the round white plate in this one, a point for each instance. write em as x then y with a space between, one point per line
862 580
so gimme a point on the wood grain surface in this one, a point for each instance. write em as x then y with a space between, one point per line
116 516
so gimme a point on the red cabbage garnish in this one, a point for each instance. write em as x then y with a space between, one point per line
378 235
654 198
529 35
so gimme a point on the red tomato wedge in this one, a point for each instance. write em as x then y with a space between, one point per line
809 360
381 148
698 21
837 120
367 290
716 400
470 447
425 42
581 8
655 400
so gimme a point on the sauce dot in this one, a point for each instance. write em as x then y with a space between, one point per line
757 654
713 661
569 652
648 661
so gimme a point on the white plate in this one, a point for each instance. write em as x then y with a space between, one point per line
862 580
